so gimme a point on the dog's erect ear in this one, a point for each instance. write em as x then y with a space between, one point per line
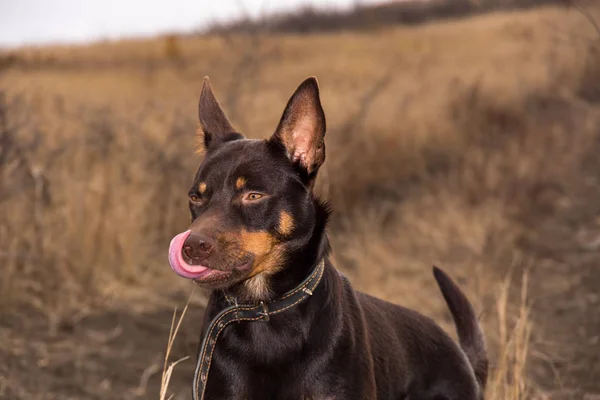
215 127
301 130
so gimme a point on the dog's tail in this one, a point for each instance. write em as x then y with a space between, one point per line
470 335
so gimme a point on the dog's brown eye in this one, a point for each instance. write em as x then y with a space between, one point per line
194 198
253 196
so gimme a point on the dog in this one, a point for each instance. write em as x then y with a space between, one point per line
282 322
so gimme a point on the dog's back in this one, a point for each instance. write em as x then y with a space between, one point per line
414 356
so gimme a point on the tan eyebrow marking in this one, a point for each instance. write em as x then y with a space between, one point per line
240 182
202 187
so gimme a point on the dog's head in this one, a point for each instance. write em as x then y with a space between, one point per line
251 201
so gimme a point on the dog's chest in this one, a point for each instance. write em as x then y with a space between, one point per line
266 388
258 384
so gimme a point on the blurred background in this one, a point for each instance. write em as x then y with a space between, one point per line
462 133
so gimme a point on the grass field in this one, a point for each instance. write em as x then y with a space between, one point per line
470 144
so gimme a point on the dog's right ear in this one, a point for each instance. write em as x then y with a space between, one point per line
215 127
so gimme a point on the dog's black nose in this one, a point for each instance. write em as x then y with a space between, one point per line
196 249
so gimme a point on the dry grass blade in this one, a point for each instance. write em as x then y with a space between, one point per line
508 380
168 371
167 377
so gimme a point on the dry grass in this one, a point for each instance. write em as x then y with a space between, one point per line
469 144
508 379
168 369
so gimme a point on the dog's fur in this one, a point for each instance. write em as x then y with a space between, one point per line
258 225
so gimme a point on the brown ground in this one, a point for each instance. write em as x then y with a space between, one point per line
471 144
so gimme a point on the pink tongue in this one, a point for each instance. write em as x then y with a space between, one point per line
178 265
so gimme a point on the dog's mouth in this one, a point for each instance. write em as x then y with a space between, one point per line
198 273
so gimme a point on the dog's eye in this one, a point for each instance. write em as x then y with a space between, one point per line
194 198
253 196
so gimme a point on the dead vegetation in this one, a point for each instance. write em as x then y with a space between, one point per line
373 16
468 144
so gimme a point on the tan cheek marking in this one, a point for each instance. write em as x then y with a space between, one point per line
240 182
268 258
202 187
286 223
267 253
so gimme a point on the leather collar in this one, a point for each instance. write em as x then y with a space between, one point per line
248 312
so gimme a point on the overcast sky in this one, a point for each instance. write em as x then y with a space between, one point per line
74 21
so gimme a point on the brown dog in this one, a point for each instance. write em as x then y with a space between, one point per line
282 323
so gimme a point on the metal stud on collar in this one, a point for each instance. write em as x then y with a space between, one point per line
265 311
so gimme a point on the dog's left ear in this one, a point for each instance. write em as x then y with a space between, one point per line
301 130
